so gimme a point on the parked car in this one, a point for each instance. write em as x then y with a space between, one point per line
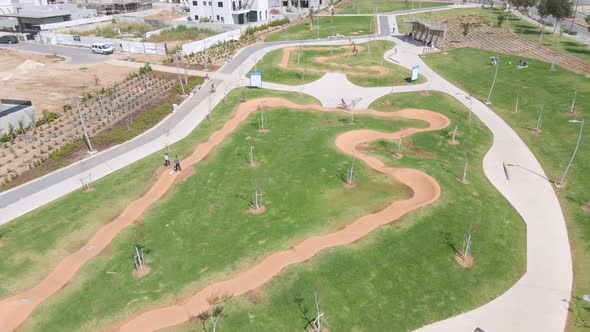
8 39
102 48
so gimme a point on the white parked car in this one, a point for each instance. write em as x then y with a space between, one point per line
102 48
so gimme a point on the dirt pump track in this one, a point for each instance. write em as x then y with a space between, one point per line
17 308
345 69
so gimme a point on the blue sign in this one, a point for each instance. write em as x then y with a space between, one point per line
256 79
415 72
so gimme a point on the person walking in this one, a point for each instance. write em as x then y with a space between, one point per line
177 164
166 160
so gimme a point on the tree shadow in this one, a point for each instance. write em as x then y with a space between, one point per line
448 240
245 198
304 310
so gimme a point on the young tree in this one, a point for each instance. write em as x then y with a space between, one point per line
331 14
559 9
501 19
467 243
215 313
310 18
523 3
350 173
33 119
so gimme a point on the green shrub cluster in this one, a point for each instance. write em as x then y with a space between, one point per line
252 30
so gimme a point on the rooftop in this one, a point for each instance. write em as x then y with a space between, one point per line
38 14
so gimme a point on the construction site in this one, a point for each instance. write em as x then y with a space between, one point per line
112 7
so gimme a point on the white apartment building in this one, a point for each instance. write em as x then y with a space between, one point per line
229 11
10 6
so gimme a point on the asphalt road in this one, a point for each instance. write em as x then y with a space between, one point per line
73 55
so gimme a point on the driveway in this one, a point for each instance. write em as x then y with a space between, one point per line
73 55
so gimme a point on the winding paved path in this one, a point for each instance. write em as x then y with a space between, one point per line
537 302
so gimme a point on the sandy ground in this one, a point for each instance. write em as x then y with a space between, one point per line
379 70
166 15
16 309
50 84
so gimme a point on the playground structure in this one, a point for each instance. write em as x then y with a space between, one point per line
431 33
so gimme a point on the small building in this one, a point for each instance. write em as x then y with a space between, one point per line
229 11
31 21
12 111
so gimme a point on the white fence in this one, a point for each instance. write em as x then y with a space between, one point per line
203 44
73 23
118 44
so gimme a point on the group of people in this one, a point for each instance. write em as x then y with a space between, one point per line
521 63
176 162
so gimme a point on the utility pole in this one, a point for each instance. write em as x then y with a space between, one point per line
574 102
90 150
581 122
494 81
178 72
574 16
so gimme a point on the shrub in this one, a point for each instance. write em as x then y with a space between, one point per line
48 117
569 32
546 23
276 23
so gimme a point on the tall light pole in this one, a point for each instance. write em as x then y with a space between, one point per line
90 150
581 122
178 71
494 81
574 16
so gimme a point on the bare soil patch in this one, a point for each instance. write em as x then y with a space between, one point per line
50 84
466 262
260 210
166 15
353 185
140 273
463 181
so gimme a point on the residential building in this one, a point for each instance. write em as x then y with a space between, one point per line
229 11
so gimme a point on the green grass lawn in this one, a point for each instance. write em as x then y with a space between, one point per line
309 70
554 146
116 30
520 26
385 6
182 32
404 275
344 25
188 232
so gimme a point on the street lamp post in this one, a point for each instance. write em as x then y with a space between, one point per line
178 71
494 81
581 122
90 150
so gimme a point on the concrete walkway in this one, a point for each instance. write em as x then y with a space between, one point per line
537 302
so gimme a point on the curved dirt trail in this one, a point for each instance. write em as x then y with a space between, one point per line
379 70
17 308
425 191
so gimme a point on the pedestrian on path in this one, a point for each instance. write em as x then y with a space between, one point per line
177 164
166 160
